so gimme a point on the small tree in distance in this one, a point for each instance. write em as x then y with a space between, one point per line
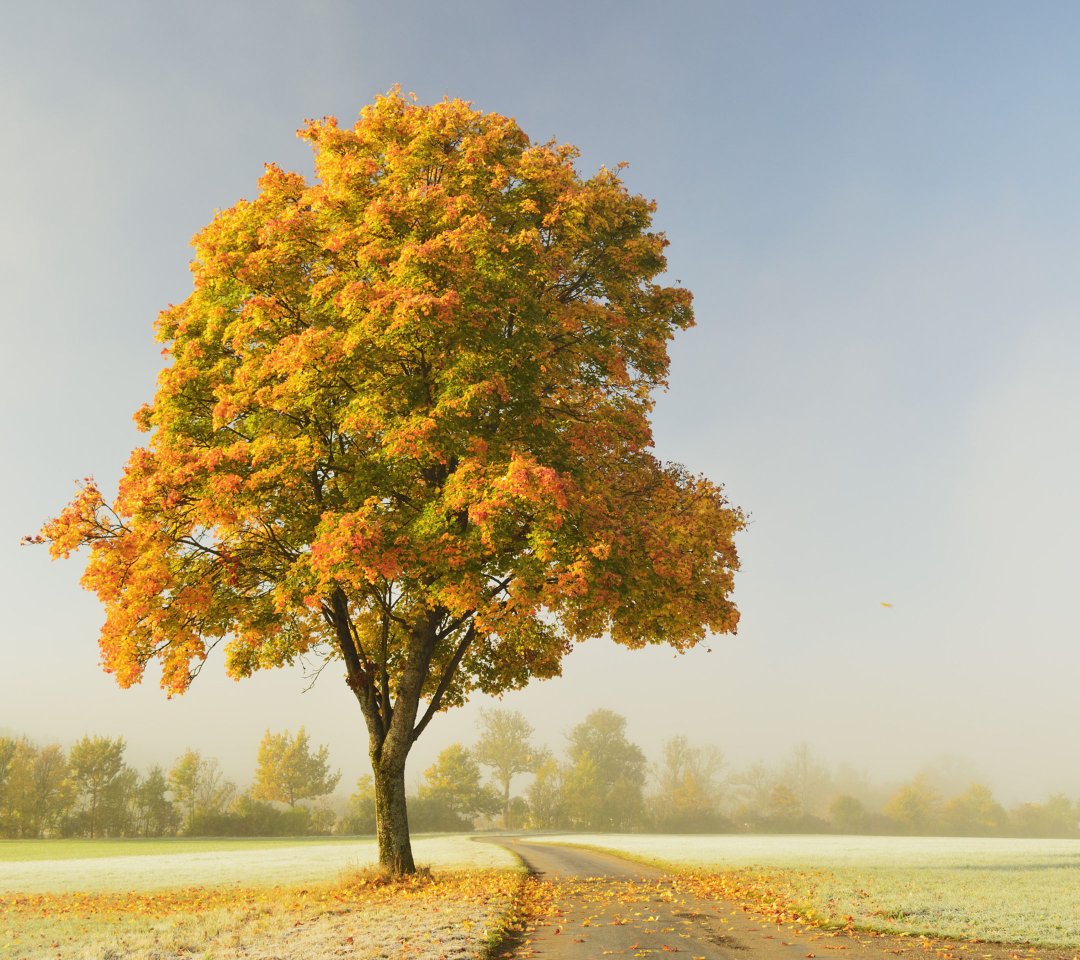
604 778
545 795
687 787
505 746
96 767
153 811
915 806
359 815
288 770
453 787
849 814
405 426
37 791
198 788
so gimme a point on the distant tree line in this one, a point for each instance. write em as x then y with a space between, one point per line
91 791
601 782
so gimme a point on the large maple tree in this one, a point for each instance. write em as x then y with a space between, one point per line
405 427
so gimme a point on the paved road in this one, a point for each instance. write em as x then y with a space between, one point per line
605 906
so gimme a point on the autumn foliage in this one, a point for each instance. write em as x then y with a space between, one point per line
405 425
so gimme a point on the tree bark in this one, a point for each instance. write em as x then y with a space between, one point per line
392 727
392 819
391 742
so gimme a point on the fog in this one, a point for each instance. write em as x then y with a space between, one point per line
877 210
877 730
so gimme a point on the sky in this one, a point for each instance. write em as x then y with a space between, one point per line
877 207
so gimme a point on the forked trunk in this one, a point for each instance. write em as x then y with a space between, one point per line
392 728
392 820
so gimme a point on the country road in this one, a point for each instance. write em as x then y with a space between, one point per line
605 906
600 906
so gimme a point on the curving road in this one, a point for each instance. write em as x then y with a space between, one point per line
604 906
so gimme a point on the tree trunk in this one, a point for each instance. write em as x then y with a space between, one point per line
392 819
506 804
391 729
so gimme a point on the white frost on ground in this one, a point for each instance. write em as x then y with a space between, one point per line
437 930
990 888
429 931
738 850
302 863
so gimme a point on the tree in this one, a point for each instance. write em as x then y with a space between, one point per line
38 791
504 745
120 811
199 788
849 814
359 816
605 776
96 767
154 814
974 812
687 787
288 771
8 746
406 427
754 787
1057 816
251 817
808 778
452 783
545 794
784 808
915 807
184 783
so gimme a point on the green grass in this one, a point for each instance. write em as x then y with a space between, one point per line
21 851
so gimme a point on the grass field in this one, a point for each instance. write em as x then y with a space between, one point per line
47 866
289 899
141 899
1013 891
25 850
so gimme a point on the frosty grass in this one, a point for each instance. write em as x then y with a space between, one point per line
299 862
1012 891
423 928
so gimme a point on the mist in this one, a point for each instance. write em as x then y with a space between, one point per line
878 215
730 698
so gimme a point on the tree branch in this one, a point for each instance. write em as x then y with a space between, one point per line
444 681
359 679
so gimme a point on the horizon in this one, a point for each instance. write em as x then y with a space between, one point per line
875 209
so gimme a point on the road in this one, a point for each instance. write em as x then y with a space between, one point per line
604 906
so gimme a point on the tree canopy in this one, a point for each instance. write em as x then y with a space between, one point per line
405 425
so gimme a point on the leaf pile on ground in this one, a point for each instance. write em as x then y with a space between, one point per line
451 915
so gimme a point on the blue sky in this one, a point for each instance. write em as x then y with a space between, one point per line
877 207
